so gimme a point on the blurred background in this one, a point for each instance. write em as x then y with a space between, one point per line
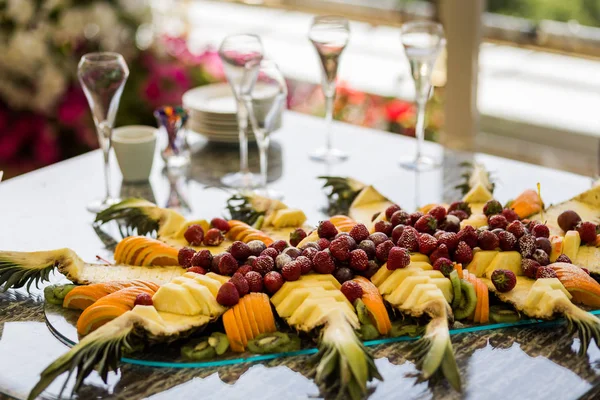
538 70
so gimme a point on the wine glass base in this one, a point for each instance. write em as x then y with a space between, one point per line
420 164
328 156
269 193
101 205
241 180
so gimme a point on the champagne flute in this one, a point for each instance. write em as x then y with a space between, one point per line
103 76
265 93
422 41
235 52
329 35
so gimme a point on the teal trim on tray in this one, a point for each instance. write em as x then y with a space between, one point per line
314 350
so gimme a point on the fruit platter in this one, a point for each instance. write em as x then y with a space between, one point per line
265 282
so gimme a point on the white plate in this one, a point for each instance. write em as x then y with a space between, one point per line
214 100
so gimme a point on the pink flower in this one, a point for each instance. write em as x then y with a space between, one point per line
73 108
46 149
166 84
399 110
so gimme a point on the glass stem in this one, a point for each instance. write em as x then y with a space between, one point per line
105 136
263 148
328 120
420 127
242 117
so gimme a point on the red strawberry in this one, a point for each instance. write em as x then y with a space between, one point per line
384 227
492 207
309 252
270 252
444 265
359 232
244 269
504 280
414 217
255 281
527 245
228 295
273 282
359 260
426 224
297 236
427 243
450 239
197 270
240 250
352 290
468 235
587 232
398 257
323 243
529 267
240 283
340 249
400 218
227 264
497 221
263 265
382 251
507 240
291 271
440 252
587 271
545 272
323 263
220 224
279 245
516 228
305 263
487 240
185 256
409 239
256 247
194 234
327 230
438 212
460 206
397 232
510 215
143 299
391 210
213 237
203 259
463 253
564 259
460 214
541 230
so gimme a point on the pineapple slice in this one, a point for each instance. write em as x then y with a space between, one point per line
318 316
445 286
402 292
173 298
478 194
419 257
481 260
510 260
554 283
291 303
475 220
588 257
320 278
413 298
205 298
395 279
217 277
211 284
288 217
149 314
289 287
571 244
305 309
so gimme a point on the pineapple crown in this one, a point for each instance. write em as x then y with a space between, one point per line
470 172
240 208
341 192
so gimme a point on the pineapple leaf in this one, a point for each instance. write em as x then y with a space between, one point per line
101 349
341 192
240 208
586 325
19 269
132 214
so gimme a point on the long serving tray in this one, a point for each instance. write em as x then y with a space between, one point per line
62 324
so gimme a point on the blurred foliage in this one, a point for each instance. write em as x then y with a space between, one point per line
586 12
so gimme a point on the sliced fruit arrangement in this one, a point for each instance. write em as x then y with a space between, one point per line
248 319
240 231
81 297
144 251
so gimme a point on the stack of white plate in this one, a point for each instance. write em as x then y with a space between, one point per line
212 113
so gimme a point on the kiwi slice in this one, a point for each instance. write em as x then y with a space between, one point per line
55 294
404 328
198 350
219 342
468 301
455 280
275 342
503 315
368 332
364 315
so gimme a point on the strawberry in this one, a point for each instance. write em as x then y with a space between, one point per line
213 237
273 282
587 232
426 224
487 240
427 243
510 215
587 271
397 232
278 245
255 281
468 235
444 265
400 218
450 239
463 253
340 249
240 283
564 259
194 234
185 256
227 264
440 252
297 236
244 269
220 224
542 231
326 230
516 228
256 247
323 243
291 271
492 207
438 212
507 240
263 265
240 250
497 221
228 295
529 267
359 260
384 227
526 245
359 232
323 263
143 299
545 272
203 259
309 252
414 217
391 210
460 206
270 252
382 251
409 239
460 214
197 270
305 263
352 290
504 280
398 257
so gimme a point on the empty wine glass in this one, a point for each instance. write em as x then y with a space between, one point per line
103 76
422 41
329 34
235 52
265 93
